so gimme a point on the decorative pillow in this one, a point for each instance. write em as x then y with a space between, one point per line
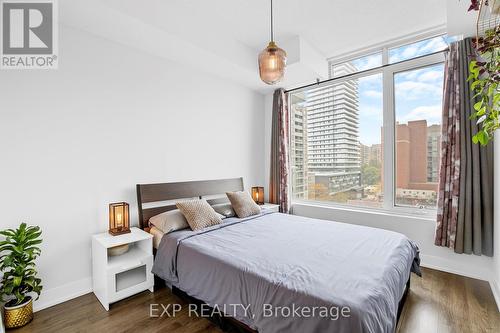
225 209
243 204
199 214
169 221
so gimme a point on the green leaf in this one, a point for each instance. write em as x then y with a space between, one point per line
491 90
479 138
474 84
478 105
472 65
17 262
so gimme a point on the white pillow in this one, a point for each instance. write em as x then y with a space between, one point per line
169 221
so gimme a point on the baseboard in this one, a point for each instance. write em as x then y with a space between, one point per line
495 288
51 297
449 266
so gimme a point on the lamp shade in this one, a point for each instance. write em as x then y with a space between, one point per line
258 195
272 64
119 218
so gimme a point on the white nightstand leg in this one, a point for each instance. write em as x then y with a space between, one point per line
152 289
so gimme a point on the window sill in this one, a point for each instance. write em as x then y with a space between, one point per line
424 215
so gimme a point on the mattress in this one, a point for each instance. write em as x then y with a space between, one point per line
261 269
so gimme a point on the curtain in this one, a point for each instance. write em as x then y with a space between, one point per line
278 184
475 204
465 198
449 172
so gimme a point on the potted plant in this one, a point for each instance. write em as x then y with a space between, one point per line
18 252
485 78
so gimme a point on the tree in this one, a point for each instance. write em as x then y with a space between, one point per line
370 175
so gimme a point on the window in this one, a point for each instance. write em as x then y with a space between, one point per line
339 159
357 65
420 48
418 105
342 150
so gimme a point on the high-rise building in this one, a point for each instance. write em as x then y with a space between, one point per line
433 150
376 153
413 156
370 154
332 133
364 152
298 146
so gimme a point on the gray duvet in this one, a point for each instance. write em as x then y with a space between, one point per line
286 273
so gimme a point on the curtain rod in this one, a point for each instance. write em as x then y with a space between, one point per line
318 82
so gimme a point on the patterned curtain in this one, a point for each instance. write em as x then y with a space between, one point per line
278 184
465 199
449 173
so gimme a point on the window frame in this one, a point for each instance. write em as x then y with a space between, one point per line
388 71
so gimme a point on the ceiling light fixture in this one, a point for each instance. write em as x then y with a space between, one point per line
272 60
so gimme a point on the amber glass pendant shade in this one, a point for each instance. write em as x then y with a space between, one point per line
258 195
272 64
119 218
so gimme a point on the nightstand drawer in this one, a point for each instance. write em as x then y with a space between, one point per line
126 281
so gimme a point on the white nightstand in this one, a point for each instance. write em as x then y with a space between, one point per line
118 277
270 206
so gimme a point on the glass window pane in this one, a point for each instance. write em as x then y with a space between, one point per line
336 142
418 105
423 47
357 65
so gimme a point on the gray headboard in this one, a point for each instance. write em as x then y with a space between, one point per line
149 193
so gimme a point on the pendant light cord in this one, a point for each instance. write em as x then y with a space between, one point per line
272 31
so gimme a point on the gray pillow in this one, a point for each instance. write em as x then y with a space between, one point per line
225 209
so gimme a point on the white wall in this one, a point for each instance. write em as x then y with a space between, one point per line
75 139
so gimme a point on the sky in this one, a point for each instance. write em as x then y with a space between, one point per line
418 93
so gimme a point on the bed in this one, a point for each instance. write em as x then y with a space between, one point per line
288 273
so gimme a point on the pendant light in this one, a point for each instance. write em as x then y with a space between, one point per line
272 60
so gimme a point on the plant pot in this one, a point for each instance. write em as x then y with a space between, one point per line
19 315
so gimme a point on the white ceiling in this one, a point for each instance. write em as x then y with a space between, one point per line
223 37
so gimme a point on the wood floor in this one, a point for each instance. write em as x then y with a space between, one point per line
439 302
